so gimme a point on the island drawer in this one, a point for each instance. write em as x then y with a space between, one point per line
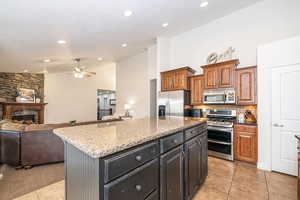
120 164
136 185
192 132
170 142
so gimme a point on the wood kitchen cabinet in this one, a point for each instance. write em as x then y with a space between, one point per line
154 170
245 137
195 164
171 179
211 77
246 86
204 157
167 82
220 75
193 169
197 84
226 73
177 79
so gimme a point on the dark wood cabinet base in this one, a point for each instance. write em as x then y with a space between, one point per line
169 168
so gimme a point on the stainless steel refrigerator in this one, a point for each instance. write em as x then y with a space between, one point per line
172 103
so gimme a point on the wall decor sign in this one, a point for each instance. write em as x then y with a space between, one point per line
26 95
214 57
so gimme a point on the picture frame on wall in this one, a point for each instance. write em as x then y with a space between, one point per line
26 95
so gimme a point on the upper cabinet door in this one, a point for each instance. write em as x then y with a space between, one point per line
197 84
167 81
226 73
211 78
246 86
176 79
180 80
220 75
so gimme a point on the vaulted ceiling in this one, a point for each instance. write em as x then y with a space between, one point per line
30 29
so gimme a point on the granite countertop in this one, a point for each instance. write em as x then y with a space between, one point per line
100 140
298 137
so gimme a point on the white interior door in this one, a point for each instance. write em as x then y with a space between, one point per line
285 118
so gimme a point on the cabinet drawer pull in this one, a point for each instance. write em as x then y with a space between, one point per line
245 136
138 158
138 187
175 141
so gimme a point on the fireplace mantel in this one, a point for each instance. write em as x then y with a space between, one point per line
11 107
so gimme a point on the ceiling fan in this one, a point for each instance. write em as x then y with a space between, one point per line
81 71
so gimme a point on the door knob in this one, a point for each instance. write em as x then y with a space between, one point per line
278 125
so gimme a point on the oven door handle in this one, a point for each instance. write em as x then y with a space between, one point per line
220 129
218 142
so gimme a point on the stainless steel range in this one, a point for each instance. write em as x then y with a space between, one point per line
220 133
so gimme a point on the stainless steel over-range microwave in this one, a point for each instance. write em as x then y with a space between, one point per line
219 96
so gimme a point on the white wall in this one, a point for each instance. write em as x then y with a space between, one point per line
133 85
244 30
152 62
76 99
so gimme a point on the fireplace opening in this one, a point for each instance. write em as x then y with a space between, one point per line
24 118
25 115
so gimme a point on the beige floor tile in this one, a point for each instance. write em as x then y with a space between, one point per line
221 167
30 196
207 193
250 173
54 191
273 196
281 185
226 181
218 183
255 189
244 193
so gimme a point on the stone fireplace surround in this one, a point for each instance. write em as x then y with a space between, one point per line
10 109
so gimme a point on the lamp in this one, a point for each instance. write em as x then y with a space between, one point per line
127 108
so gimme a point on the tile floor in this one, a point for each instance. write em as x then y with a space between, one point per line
16 183
226 181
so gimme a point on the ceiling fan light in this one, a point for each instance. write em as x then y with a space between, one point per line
203 4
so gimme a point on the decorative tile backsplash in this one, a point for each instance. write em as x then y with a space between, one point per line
239 109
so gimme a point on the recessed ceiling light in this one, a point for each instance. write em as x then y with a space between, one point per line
61 42
204 4
124 45
165 25
100 59
127 13
47 60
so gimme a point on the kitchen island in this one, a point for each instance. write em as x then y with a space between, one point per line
141 159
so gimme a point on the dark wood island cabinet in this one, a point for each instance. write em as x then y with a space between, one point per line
172 166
